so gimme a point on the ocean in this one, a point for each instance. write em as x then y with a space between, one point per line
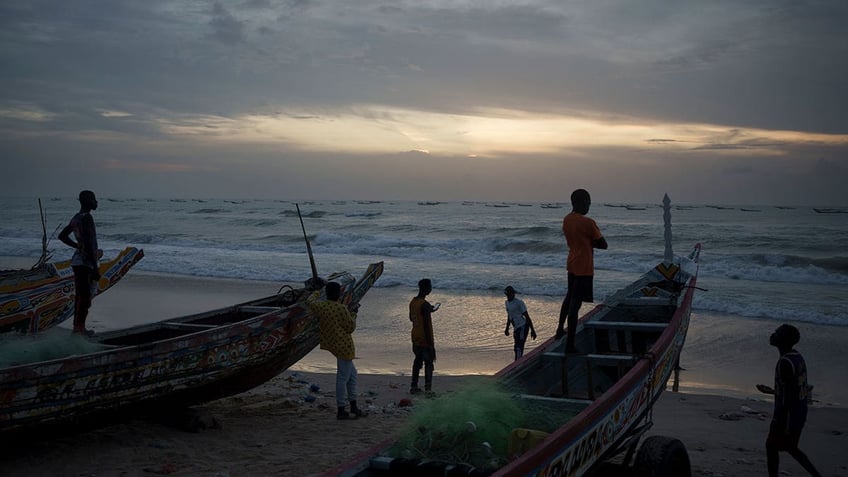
760 265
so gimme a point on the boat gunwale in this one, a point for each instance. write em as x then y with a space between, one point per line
540 456
587 421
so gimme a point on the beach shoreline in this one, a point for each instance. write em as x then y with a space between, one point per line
724 354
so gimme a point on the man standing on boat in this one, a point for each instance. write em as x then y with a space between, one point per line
517 316
85 260
420 314
582 236
791 394
336 324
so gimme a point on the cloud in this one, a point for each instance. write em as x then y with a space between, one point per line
225 27
652 87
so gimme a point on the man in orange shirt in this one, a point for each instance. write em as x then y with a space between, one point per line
583 236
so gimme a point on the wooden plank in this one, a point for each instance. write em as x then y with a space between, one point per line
258 309
177 325
626 325
609 358
575 404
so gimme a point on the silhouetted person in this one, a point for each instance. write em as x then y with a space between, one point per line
790 401
336 324
582 236
420 314
517 316
85 260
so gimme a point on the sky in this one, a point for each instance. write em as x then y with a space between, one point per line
720 101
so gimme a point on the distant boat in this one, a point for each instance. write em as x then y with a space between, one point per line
750 210
551 206
429 203
633 207
525 205
468 203
831 211
783 207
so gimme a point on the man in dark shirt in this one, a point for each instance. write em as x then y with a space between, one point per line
790 402
85 259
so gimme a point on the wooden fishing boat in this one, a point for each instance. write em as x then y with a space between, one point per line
172 363
628 347
39 298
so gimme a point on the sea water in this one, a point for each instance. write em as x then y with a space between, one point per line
768 262
764 265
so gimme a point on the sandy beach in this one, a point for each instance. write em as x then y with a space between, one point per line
273 430
283 428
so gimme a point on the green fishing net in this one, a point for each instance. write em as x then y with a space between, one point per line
17 349
473 425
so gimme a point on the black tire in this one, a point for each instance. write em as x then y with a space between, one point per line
661 456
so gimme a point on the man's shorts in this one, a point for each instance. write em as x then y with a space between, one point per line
424 353
580 287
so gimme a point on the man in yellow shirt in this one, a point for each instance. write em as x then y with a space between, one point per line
336 324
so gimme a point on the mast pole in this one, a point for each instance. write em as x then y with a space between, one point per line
669 254
308 246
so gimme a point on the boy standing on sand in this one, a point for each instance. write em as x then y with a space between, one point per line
790 402
423 346
86 255
582 236
336 324
517 316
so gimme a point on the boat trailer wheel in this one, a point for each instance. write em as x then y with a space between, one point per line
661 456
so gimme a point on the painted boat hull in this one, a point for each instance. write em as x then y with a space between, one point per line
35 300
176 362
597 432
652 325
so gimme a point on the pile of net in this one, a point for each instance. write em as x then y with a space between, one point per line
17 349
472 426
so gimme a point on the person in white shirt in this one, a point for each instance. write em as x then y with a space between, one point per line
517 316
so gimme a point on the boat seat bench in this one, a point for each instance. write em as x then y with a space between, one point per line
602 359
569 404
626 325
177 324
622 362
258 309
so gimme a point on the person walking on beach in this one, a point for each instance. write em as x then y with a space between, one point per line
517 316
85 260
790 402
582 236
336 324
423 346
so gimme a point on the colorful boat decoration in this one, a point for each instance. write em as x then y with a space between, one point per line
628 347
36 299
176 362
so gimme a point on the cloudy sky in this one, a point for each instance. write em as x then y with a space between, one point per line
725 101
